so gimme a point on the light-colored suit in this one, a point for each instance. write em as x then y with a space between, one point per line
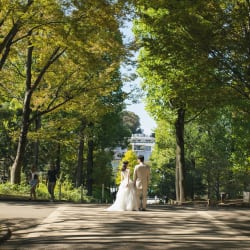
141 180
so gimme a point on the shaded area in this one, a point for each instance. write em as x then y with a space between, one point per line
89 226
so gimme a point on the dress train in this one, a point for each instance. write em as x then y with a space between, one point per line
125 198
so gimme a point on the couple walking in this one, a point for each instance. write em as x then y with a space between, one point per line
132 195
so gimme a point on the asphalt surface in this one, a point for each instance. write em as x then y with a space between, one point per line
5 233
90 226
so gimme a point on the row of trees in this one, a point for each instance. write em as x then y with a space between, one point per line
62 96
61 89
195 67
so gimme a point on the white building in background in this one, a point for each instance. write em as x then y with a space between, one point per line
142 145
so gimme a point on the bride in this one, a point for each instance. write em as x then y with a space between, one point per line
126 195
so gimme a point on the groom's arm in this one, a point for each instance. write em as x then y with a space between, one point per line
148 176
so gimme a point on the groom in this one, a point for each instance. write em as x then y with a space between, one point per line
141 180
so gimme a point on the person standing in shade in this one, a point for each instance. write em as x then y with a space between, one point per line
51 180
141 180
34 182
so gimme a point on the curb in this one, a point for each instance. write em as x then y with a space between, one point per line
5 233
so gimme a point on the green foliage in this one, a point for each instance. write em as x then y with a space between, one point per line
211 148
99 196
8 188
64 61
162 162
131 120
193 56
102 173
64 190
111 131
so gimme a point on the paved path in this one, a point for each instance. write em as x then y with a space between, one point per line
91 227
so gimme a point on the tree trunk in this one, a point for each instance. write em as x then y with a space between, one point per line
177 177
58 156
90 166
180 160
17 165
79 169
208 184
37 142
192 178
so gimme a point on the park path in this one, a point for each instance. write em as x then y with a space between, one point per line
91 227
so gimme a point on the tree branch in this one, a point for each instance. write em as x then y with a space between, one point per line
54 56
194 117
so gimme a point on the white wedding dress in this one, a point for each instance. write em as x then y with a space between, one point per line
126 195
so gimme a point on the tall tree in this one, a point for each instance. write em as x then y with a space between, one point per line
59 48
132 121
191 56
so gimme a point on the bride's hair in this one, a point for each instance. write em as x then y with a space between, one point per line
124 165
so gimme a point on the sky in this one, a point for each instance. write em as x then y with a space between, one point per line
147 123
